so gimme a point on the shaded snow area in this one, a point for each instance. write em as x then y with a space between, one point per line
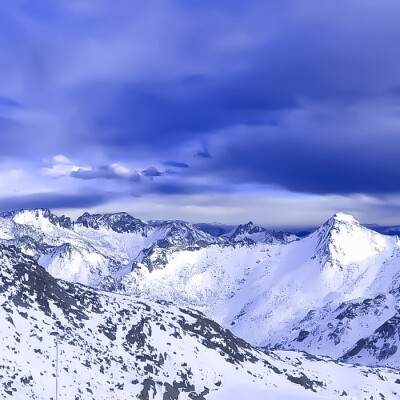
114 346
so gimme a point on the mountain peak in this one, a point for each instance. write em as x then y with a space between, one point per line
45 212
336 222
118 222
247 228
342 237
253 233
38 216
344 217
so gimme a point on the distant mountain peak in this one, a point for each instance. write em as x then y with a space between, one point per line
118 222
37 216
250 234
35 212
247 228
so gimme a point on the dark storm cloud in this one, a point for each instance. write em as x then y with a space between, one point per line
318 82
176 164
167 114
203 154
53 200
180 188
315 164
151 171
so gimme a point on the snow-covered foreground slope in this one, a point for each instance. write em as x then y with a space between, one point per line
113 346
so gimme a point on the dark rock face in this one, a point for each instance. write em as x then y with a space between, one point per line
334 330
239 235
213 336
38 287
137 335
171 393
178 236
302 335
249 228
119 222
305 382
355 309
382 344
360 345
63 221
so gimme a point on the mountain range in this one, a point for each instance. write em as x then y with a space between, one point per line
285 311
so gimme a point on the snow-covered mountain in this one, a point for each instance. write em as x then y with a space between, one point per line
321 294
98 249
94 247
251 233
334 292
114 346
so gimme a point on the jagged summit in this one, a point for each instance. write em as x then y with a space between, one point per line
342 240
34 212
248 228
118 222
339 225
344 217
250 233
95 246
37 216
338 220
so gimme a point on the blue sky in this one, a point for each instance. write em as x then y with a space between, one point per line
279 112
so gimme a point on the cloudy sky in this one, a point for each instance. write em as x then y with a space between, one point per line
282 112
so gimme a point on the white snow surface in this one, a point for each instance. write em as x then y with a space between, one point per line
268 293
322 294
82 254
119 347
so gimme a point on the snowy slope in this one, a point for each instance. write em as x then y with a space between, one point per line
326 293
95 246
113 346
99 249
288 295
